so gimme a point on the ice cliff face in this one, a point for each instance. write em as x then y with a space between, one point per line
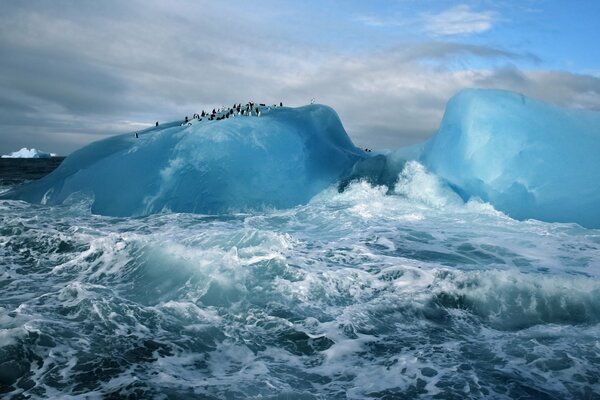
280 159
527 158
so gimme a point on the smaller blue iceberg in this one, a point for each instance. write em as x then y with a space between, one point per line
278 160
527 158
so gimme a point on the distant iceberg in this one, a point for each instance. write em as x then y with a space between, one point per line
29 153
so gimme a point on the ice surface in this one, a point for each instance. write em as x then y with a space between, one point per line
527 158
29 153
280 159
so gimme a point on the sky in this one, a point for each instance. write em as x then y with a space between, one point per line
72 72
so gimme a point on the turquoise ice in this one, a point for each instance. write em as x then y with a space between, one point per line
277 160
527 158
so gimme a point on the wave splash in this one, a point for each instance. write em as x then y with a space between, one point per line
356 294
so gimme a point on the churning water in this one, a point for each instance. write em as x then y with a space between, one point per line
360 294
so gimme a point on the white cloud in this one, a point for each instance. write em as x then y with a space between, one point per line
371 20
459 20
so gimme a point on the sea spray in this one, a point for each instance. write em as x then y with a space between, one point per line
356 294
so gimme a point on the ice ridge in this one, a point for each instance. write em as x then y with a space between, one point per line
268 157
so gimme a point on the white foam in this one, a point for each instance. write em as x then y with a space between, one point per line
359 292
418 185
9 336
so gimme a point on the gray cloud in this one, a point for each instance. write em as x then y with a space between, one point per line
72 72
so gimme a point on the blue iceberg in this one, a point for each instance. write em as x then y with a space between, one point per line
277 160
527 158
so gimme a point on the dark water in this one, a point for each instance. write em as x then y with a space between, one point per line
17 170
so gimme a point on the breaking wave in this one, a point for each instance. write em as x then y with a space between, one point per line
358 294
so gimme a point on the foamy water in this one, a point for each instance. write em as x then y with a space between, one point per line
360 294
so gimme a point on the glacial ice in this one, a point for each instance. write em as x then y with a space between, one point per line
527 158
277 160
29 153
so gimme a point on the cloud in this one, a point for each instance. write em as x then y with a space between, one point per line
74 72
372 20
387 103
459 20
447 51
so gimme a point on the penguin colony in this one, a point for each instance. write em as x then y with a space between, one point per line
249 109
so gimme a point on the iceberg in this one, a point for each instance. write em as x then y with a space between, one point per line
527 158
278 160
29 153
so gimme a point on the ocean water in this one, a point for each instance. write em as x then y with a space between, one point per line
359 294
18 170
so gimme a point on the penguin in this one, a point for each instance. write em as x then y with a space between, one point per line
156 123
280 104
186 118
136 135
